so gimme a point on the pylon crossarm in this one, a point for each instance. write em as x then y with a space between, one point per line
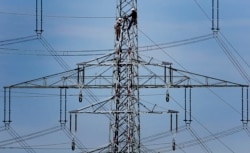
118 112
94 107
57 80
149 78
199 80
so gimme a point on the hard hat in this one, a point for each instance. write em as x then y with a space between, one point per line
133 9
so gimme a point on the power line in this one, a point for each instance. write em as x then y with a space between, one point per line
52 51
94 52
233 60
17 40
225 48
59 16
203 11
235 50
202 144
212 135
61 62
20 140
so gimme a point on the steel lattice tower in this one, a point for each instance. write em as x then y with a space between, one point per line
125 125
119 72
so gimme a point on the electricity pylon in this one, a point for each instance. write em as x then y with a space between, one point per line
125 125
125 73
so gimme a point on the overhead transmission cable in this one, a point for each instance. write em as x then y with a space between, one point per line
152 138
226 49
42 133
201 140
214 93
235 50
196 136
58 16
30 136
94 52
203 11
71 136
247 131
183 68
212 135
15 51
17 40
233 60
195 141
175 43
20 140
160 48
52 51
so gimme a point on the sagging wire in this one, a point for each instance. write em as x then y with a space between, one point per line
75 143
39 52
58 16
52 51
93 52
233 59
161 135
205 139
173 44
19 140
235 50
200 141
212 135
18 40
162 49
31 136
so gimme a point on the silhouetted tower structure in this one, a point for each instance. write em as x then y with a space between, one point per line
125 125
119 71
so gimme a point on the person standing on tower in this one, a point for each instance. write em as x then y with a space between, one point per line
117 28
133 19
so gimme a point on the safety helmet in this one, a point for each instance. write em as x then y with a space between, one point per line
133 9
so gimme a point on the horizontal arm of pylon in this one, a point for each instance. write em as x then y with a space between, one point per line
119 112
172 78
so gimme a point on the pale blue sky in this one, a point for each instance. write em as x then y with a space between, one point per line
67 27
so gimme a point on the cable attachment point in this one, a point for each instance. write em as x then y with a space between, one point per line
167 96
80 96
173 144
73 145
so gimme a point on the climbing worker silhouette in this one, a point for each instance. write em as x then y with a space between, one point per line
133 19
117 28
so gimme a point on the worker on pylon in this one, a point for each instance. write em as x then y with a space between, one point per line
133 19
117 28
